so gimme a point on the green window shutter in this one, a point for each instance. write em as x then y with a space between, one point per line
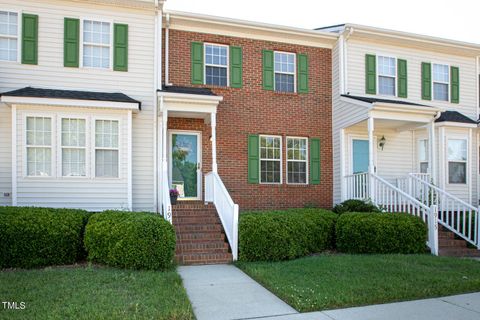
236 62
302 66
370 74
120 47
29 39
253 158
71 42
402 78
314 161
268 75
197 62
426 81
455 84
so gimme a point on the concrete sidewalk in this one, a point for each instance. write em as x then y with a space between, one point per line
225 292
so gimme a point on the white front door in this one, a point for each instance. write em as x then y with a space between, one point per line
185 165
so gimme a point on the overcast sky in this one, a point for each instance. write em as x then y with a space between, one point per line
452 19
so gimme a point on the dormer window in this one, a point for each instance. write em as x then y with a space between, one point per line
387 72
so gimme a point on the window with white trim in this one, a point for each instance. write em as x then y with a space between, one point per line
297 164
97 42
457 161
441 82
387 73
39 146
423 155
8 36
106 148
270 159
216 64
284 65
73 147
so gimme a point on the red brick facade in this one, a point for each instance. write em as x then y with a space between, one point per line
252 110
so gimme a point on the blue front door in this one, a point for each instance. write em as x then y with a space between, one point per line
360 155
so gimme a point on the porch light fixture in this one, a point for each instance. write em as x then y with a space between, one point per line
382 142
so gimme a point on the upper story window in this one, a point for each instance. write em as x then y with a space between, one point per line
216 64
441 82
8 36
39 146
387 72
284 63
97 42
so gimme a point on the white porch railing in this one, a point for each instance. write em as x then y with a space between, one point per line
455 214
166 204
216 192
389 198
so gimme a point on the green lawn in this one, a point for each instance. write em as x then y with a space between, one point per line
94 293
336 281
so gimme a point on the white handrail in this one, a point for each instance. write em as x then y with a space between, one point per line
357 186
216 192
166 204
455 214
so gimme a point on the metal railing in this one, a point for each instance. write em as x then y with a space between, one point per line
216 192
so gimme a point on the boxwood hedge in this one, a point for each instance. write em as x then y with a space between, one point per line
287 234
380 233
132 240
34 237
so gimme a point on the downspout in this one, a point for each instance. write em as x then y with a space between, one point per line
345 60
341 64
167 49
157 81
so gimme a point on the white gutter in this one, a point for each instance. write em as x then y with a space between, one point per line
341 63
167 49
477 78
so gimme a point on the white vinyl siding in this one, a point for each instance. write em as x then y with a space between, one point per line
355 70
137 83
9 32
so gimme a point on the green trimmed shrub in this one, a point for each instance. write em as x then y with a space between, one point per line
132 240
34 237
288 234
354 205
381 233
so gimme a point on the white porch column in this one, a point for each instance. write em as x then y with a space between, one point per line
371 163
342 166
432 159
164 143
213 123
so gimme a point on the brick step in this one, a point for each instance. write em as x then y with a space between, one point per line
190 237
192 228
446 235
203 219
192 205
459 252
451 243
203 258
205 246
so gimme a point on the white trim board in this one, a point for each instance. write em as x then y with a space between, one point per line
71 103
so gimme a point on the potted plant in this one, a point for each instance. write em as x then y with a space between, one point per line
173 196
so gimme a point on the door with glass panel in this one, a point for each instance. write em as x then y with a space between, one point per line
185 164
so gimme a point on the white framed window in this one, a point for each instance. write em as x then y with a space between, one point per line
457 161
441 82
423 155
297 160
97 44
285 75
9 32
216 64
73 147
387 75
38 144
270 159
106 148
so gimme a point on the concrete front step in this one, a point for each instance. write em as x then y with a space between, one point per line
203 258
